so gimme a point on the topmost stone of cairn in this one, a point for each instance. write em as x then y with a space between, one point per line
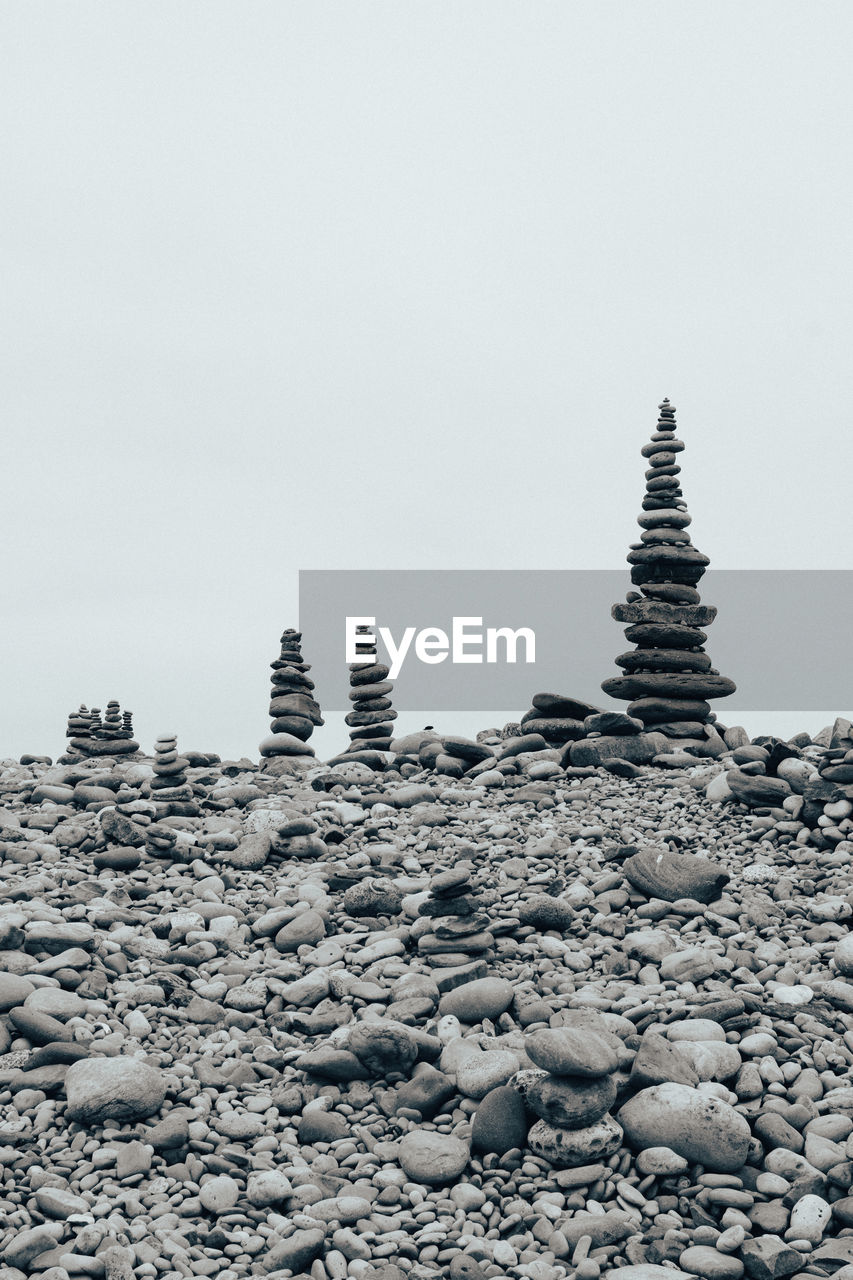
669 678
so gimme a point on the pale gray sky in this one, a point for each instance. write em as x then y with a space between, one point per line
397 284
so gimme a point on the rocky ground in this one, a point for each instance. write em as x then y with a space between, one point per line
238 1040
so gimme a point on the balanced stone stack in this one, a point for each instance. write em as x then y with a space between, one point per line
556 718
294 711
78 730
668 678
89 735
572 1094
459 928
169 783
372 716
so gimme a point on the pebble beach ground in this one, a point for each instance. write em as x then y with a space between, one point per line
258 1037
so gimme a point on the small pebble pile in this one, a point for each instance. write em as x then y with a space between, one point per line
556 718
169 782
572 1094
457 927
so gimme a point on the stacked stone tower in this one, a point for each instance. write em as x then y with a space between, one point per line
668 678
293 709
371 719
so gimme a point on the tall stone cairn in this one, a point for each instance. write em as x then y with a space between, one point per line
371 719
668 678
294 712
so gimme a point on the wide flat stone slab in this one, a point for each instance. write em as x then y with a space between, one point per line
687 684
663 660
688 615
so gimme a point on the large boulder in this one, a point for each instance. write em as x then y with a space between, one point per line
121 1088
703 1129
662 874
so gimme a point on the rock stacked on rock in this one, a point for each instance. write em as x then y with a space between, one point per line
372 716
293 708
78 730
89 735
571 1095
556 718
459 928
668 678
455 755
170 771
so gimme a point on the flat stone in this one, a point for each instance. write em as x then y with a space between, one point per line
570 1051
670 876
474 1001
432 1159
640 748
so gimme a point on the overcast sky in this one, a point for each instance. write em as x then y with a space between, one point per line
397 284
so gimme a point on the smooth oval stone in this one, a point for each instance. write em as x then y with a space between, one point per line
710 1263
125 858
474 1001
670 876
56 1003
704 1130
432 1158
500 1123
14 990
695 1029
120 1088
382 1049
571 1051
39 1028
572 1148
757 789
843 956
481 1072
571 1103
663 1162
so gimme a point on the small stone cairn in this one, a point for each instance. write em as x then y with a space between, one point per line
668 677
459 933
371 719
89 735
170 771
293 710
571 1095
556 718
